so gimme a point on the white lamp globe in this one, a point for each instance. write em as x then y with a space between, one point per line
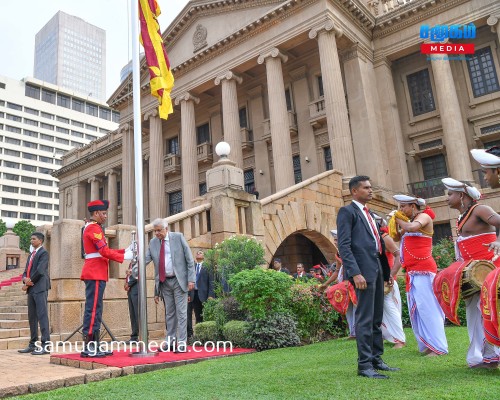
9 222
223 149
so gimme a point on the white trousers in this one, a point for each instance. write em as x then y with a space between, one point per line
349 315
479 349
426 315
392 325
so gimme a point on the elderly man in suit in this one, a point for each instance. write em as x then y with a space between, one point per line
203 290
37 284
365 265
174 278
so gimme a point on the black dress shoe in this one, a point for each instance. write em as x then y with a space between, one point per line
40 352
382 366
371 373
177 351
28 349
167 348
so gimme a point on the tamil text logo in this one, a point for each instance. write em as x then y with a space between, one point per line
440 33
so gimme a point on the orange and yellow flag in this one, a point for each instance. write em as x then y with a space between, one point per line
161 78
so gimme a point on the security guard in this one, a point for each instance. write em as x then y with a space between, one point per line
95 274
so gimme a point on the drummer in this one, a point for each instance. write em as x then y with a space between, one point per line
477 240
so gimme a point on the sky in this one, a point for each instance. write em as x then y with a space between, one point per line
21 20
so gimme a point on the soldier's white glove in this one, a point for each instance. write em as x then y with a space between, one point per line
132 247
129 254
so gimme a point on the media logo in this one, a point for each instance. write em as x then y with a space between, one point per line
440 33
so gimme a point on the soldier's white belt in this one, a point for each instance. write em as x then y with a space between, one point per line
92 255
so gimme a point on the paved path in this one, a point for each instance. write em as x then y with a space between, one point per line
25 373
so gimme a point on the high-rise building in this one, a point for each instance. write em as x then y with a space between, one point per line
71 53
39 123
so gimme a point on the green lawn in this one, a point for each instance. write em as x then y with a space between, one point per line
321 371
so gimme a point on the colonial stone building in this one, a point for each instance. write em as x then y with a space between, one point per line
308 93
299 87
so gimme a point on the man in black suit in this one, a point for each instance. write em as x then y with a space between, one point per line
365 265
277 266
203 290
37 284
132 290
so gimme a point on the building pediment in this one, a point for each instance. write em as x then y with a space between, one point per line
199 26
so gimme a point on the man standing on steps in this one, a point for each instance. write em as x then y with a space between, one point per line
37 284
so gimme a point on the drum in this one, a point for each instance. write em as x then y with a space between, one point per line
474 275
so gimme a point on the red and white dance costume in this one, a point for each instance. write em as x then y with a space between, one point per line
426 315
480 350
392 324
351 309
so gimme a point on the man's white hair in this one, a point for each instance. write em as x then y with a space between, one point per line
160 222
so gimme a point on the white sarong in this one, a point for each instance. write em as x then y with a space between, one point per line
392 325
480 351
426 315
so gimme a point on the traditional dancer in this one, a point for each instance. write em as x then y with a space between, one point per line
426 315
476 229
392 323
349 290
490 302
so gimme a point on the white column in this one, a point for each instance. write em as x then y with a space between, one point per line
189 157
94 188
494 22
339 132
451 120
230 114
398 169
112 197
278 115
156 189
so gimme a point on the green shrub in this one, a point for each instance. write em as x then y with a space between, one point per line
236 333
316 318
206 331
24 229
231 256
233 310
209 309
261 292
444 253
276 331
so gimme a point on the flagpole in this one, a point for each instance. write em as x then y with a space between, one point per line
139 200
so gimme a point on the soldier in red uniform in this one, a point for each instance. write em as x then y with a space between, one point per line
95 273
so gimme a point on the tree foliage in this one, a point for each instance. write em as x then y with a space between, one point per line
3 227
444 252
24 229
232 255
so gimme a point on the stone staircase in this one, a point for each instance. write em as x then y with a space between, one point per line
14 325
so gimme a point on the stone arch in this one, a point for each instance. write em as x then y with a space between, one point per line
306 246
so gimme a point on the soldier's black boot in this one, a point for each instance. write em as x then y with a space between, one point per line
91 349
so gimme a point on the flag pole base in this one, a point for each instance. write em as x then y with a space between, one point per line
143 354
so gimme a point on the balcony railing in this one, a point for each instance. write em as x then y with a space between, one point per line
317 113
172 164
204 153
246 138
427 189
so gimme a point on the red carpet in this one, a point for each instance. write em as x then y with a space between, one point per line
122 359
10 281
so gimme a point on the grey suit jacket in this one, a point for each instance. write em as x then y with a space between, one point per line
182 260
